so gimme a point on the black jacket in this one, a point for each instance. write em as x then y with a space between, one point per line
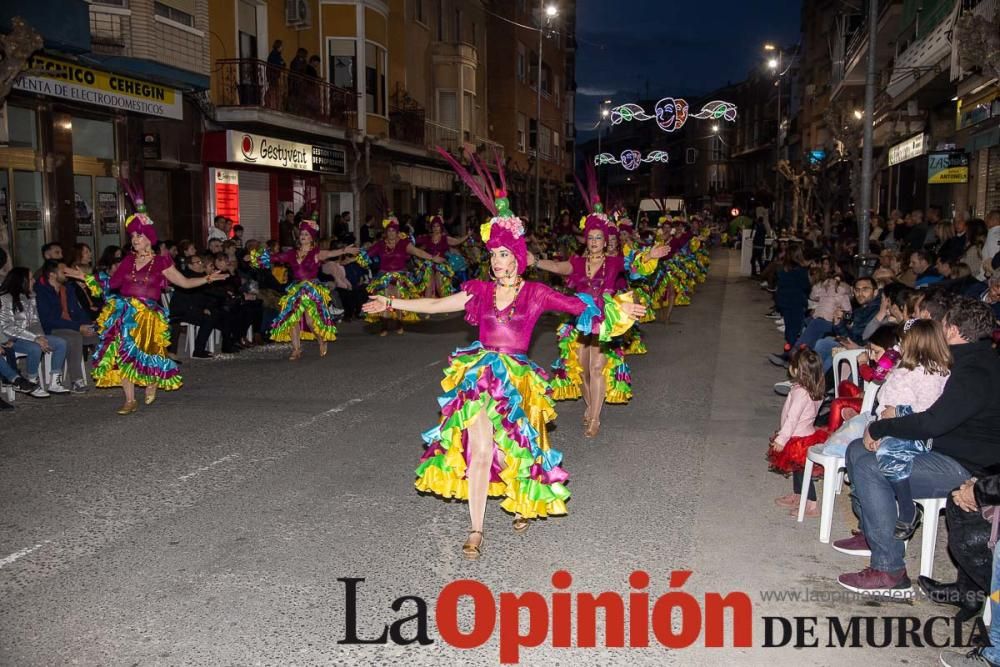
965 420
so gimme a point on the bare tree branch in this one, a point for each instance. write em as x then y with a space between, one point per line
16 48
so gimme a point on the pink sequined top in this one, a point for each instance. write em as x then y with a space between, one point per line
602 282
391 262
509 331
145 283
426 243
307 269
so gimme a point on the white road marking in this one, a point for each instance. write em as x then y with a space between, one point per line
7 560
211 465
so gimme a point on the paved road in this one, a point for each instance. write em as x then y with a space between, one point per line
211 528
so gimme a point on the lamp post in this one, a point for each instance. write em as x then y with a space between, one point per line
549 13
864 221
774 63
605 112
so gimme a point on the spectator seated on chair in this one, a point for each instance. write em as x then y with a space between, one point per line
196 307
965 425
19 321
923 265
62 316
849 329
8 370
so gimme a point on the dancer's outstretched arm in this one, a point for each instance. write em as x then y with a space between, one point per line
449 304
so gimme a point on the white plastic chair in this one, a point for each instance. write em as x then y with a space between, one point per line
928 539
8 392
850 357
833 481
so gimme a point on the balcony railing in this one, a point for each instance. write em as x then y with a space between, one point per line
249 83
446 137
110 33
489 150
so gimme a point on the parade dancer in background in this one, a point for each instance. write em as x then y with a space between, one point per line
133 325
305 312
589 367
393 280
438 278
492 439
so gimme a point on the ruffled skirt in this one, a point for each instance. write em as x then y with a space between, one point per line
567 373
398 285
428 271
792 458
513 394
134 335
305 299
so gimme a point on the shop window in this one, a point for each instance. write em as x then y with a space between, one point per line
343 63
93 138
178 11
376 90
22 127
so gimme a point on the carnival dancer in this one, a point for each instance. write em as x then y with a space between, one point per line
588 367
635 278
133 327
393 280
438 278
492 439
304 310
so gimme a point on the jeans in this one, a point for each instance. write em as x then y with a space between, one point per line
74 351
824 348
895 456
934 475
34 354
992 652
7 372
815 329
793 317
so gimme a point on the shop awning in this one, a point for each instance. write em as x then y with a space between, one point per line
147 69
423 177
982 140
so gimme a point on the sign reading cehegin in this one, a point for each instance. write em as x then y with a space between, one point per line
67 80
247 148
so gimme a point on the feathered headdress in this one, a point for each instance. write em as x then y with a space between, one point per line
504 229
596 218
139 222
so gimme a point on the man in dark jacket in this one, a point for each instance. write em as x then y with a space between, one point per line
194 306
61 315
848 332
964 424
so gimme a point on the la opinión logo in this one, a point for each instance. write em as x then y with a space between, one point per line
551 618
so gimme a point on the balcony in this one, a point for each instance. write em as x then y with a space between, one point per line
855 60
110 32
446 137
454 53
251 91
489 151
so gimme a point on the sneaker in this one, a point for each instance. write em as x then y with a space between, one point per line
79 386
783 388
202 354
973 658
773 315
778 360
39 392
904 530
24 386
763 283
336 312
56 385
779 322
781 328
855 545
877 582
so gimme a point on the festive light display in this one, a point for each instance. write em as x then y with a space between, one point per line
630 158
671 114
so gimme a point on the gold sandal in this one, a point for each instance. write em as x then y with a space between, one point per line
322 348
129 408
520 524
473 551
150 396
296 355
593 428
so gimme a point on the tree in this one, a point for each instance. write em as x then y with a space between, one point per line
979 42
16 48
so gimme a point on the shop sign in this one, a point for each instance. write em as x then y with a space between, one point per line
227 194
253 149
329 160
944 168
107 207
66 80
913 147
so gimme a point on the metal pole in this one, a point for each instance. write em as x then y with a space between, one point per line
538 120
777 152
864 221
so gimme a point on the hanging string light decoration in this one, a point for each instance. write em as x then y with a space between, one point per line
630 158
671 114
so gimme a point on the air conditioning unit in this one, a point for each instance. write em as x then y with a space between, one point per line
297 14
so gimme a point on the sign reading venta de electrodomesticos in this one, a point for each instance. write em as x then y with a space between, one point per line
67 80
246 148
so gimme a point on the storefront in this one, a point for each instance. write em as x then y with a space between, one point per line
978 120
254 179
907 174
70 133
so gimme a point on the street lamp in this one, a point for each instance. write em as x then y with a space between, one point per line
605 112
549 12
859 114
774 63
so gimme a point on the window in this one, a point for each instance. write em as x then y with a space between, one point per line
111 3
546 79
247 29
93 138
343 63
533 70
533 133
468 115
475 35
376 90
522 131
418 10
458 25
22 128
440 27
719 150
448 108
556 148
545 137
522 62
178 11
555 89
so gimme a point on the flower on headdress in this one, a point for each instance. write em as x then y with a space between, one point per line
484 231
